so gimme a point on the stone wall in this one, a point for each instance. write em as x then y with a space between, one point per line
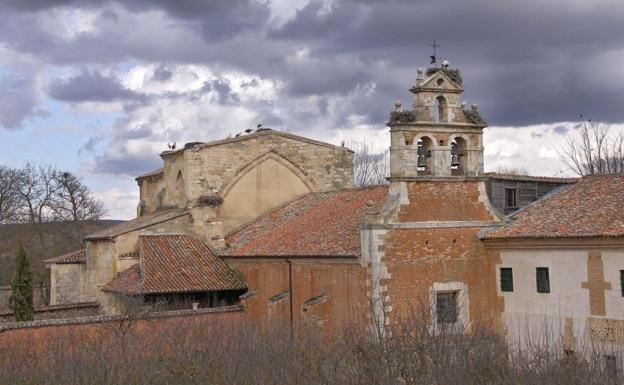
252 174
57 311
68 283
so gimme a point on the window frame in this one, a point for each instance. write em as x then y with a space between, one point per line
515 197
509 280
542 286
622 282
440 316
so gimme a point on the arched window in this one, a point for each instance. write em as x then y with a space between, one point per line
441 113
425 145
179 188
458 148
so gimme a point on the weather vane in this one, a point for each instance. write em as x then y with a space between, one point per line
434 56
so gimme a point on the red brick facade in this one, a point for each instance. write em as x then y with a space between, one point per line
327 293
416 258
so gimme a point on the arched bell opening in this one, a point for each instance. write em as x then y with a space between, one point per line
425 145
458 151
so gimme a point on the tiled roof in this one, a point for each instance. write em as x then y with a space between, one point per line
317 224
151 173
530 178
590 208
77 256
176 263
137 224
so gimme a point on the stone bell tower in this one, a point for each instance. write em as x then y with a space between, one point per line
437 138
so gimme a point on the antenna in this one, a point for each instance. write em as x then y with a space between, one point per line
435 53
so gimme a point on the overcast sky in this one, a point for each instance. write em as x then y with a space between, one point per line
100 87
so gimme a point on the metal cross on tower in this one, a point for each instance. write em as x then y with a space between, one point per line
434 56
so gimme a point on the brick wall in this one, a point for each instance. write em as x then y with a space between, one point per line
446 201
328 294
44 336
416 258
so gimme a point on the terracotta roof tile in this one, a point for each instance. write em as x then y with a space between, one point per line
175 263
593 207
530 178
317 224
137 224
77 256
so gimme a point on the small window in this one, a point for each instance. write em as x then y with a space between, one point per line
622 282
510 198
446 307
506 279
543 280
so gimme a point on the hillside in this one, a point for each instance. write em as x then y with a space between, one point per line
42 241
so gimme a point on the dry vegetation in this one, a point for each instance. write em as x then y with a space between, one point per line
231 354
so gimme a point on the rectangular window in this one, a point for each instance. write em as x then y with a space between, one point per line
622 282
506 279
446 307
510 198
543 280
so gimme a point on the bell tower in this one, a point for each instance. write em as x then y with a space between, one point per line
438 137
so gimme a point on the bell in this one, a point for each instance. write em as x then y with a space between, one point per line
422 160
455 160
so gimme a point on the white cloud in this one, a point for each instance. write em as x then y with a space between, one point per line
534 149
68 23
119 204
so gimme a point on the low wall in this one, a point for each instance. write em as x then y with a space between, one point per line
57 311
44 336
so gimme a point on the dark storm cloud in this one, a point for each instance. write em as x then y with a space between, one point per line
92 87
129 164
523 62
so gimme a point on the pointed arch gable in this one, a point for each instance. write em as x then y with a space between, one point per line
264 184
254 163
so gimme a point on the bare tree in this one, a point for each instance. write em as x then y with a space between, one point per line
38 196
512 170
8 194
595 150
35 188
73 202
370 168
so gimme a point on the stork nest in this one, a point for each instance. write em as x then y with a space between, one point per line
209 200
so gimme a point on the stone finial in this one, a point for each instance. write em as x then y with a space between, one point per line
398 106
420 78
474 107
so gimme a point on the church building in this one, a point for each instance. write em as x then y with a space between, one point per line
272 221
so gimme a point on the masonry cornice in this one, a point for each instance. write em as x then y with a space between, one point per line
555 243
432 225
